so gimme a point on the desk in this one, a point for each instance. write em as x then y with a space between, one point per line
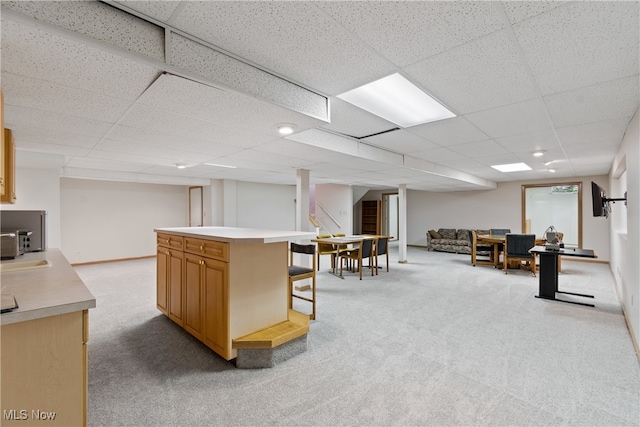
549 272
342 241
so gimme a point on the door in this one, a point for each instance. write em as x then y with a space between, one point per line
195 207
216 329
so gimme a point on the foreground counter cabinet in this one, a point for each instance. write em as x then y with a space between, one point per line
44 344
221 283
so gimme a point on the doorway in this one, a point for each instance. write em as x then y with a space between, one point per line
195 207
390 212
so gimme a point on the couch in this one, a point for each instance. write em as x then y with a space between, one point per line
449 240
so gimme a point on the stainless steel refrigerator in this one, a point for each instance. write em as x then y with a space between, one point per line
34 221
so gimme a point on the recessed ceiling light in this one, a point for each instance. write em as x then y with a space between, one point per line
220 166
552 170
285 129
397 100
181 165
512 167
539 153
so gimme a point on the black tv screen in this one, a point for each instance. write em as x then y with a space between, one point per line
597 196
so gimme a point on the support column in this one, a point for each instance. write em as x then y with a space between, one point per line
302 201
230 202
402 224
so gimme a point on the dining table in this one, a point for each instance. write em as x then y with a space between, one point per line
337 242
497 242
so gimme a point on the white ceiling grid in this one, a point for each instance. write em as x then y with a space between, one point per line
91 81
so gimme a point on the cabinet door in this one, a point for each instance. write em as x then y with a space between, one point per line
162 280
9 172
193 301
175 286
216 324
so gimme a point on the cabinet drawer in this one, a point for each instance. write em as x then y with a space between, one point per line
171 241
208 248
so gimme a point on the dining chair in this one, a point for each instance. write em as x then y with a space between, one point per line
516 248
484 251
326 249
365 250
297 272
381 248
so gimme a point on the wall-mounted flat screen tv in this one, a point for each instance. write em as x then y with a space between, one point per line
598 200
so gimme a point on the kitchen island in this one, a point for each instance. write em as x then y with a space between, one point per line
223 283
44 341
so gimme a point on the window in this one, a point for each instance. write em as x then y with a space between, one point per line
559 205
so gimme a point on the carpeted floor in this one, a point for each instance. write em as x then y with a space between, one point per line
434 342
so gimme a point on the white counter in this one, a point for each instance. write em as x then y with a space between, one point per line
44 292
238 235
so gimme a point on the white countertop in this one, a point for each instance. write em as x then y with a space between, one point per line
44 292
238 235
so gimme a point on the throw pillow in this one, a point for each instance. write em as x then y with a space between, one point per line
434 234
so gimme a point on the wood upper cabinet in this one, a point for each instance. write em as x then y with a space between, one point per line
8 168
2 146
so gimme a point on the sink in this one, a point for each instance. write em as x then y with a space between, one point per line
24 265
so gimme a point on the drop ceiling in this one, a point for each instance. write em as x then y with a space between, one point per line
127 90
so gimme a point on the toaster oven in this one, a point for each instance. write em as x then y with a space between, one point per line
14 243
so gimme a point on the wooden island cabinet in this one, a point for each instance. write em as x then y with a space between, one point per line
221 283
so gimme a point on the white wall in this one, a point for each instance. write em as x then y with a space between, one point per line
105 220
337 201
39 189
266 206
625 241
499 208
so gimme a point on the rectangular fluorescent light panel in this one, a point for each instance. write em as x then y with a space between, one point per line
397 100
512 167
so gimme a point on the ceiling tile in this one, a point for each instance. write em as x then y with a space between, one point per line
399 29
400 141
524 117
604 101
53 121
46 136
41 95
309 37
478 148
606 130
437 155
478 75
33 52
457 130
518 11
533 141
581 44
206 103
160 10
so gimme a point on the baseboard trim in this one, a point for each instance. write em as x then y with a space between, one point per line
626 318
111 260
